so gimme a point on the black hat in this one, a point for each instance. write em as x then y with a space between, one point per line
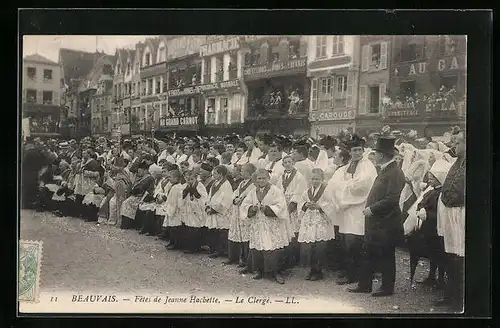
385 145
144 165
355 141
328 142
206 167
301 143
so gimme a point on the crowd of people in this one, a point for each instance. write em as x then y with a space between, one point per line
268 203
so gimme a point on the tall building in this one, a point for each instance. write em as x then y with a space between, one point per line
222 84
41 89
278 89
184 111
375 61
427 88
333 69
131 114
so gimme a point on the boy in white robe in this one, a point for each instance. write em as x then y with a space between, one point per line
275 165
302 162
293 184
192 204
238 237
252 154
172 210
350 186
218 211
316 211
266 209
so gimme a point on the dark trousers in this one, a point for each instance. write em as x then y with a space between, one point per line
127 223
454 288
291 254
380 257
353 248
177 236
79 207
158 222
313 255
90 212
148 223
266 261
341 256
45 200
192 237
218 241
238 252
205 237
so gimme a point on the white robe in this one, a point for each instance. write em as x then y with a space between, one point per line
180 159
314 225
293 193
267 233
305 167
451 226
238 224
330 170
220 202
193 209
276 172
322 160
349 196
253 159
172 206
161 208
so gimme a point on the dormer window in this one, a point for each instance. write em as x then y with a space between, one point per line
147 59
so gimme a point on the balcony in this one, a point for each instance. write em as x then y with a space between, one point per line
206 79
211 118
233 74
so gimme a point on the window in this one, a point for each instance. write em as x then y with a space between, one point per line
325 93
147 59
47 97
223 110
448 44
47 75
374 57
407 89
449 82
374 99
275 57
320 46
31 96
338 45
107 70
158 87
161 55
341 91
235 108
369 98
150 86
411 50
32 73
129 68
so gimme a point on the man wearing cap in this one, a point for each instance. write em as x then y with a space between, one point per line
302 162
264 142
350 186
383 226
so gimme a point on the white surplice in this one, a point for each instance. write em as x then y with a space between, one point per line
267 233
305 167
161 208
275 170
322 160
172 206
330 169
255 154
315 225
221 202
350 192
238 224
193 209
451 226
293 193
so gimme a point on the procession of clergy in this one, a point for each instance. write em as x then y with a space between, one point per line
268 203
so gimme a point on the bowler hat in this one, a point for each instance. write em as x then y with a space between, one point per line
385 145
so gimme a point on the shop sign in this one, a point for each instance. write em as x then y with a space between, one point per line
442 65
445 109
204 87
153 98
179 121
220 46
333 116
276 67
184 46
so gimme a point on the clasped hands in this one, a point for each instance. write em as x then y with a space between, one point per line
312 206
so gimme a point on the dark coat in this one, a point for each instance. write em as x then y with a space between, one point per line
385 225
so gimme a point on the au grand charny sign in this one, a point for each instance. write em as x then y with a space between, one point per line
197 89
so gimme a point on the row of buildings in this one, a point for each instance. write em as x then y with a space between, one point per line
314 85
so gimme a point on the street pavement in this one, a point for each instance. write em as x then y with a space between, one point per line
85 257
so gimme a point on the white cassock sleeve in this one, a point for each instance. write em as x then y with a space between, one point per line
223 199
355 191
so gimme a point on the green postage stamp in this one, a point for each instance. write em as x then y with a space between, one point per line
30 260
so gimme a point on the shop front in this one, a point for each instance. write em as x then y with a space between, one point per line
182 113
278 92
43 119
324 123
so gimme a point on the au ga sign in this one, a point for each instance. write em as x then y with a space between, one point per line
333 116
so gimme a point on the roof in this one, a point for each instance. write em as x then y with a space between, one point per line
39 59
76 64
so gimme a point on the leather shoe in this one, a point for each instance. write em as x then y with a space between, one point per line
258 276
382 292
358 289
279 279
317 276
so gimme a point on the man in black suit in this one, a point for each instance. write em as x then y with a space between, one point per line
383 226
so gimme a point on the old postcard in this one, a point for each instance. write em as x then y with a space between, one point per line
243 174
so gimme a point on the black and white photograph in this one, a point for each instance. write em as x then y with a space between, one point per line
243 174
